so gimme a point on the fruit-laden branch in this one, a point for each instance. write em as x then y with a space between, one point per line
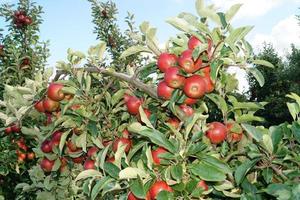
149 89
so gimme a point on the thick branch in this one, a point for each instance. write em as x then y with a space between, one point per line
150 90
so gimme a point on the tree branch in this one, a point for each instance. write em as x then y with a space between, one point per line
149 89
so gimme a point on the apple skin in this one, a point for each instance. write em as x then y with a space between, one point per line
71 146
233 136
208 84
194 42
8 130
56 137
47 164
217 132
186 61
190 101
157 187
31 156
164 91
166 60
78 160
173 79
54 92
110 159
188 111
133 103
132 197
16 128
46 146
174 122
50 105
203 185
125 133
156 153
92 151
124 141
39 106
89 164
195 87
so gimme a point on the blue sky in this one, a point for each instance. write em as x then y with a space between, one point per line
67 23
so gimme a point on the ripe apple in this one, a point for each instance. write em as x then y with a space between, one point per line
106 142
217 132
27 20
25 62
156 153
46 146
92 151
30 156
186 61
78 160
123 141
208 84
89 164
190 101
133 105
195 87
234 131
110 159
166 60
8 130
47 164
188 111
157 187
173 79
174 122
194 42
16 128
50 105
164 91
56 137
39 106
63 163
71 146
132 197
54 92
206 71
202 185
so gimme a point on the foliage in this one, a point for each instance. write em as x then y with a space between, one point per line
107 124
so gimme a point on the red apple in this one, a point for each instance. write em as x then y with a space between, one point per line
125 133
157 187
156 153
133 103
217 132
234 131
166 60
208 84
27 20
46 146
174 122
16 128
194 42
78 160
202 185
110 159
164 91
106 142
54 92
92 151
50 105
186 61
123 141
8 130
71 146
56 137
195 87
89 164
188 111
31 156
173 78
47 164
39 106
190 101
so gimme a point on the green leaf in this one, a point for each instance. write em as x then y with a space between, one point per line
154 135
281 191
88 174
117 97
253 132
63 140
177 172
243 169
296 131
111 169
222 19
232 11
180 24
207 172
137 188
276 135
132 173
144 117
216 163
99 186
263 62
238 34
69 90
257 75
219 101
248 118
294 109
267 173
134 50
267 141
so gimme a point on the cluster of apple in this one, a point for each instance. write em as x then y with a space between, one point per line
22 151
186 73
21 19
51 102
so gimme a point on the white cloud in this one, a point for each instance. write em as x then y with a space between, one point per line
284 33
250 8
